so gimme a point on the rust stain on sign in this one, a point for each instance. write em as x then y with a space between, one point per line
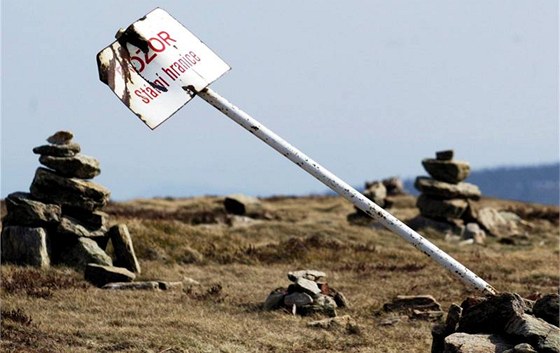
151 62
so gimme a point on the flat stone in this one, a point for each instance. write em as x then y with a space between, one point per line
25 246
23 210
78 166
124 250
461 342
83 251
312 275
275 299
67 150
442 190
297 299
69 226
448 171
243 205
540 334
307 286
446 155
548 308
441 209
147 285
95 219
71 192
496 225
407 303
101 275
61 138
490 314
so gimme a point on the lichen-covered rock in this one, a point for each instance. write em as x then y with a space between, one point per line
70 192
77 166
23 210
25 246
124 250
100 275
461 342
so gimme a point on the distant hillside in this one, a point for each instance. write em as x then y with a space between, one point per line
536 184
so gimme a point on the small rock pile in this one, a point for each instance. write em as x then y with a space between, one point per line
61 220
505 323
380 193
308 294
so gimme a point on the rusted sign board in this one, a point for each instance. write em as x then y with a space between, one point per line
156 65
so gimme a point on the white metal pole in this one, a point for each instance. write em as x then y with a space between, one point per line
345 190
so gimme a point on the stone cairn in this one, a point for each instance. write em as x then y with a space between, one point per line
308 294
505 323
446 198
61 220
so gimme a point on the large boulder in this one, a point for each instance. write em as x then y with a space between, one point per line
448 171
71 192
443 190
78 166
441 209
25 246
100 275
23 210
83 251
124 250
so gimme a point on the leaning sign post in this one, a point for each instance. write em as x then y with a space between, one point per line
156 66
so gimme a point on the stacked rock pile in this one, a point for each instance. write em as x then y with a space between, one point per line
308 294
61 220
505 323
445 197
379 192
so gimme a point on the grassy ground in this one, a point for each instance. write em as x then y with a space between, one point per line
238 265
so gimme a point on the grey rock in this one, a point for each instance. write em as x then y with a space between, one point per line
461 342
243 205
83 251
100 275
442 190
540 334
275 299
23 210
490 314
548 308
124 250
340 300
394 186
147 285
95 219
496 225
67 150
297 299
406 304
441 209
448 171
325 300
307 286
69 226
78 166
453 318
446 155
473 231
25 246
70 192
61 138
376 192
312 275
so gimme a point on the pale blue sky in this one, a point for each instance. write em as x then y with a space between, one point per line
366 88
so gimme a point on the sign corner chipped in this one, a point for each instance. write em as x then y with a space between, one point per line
157 65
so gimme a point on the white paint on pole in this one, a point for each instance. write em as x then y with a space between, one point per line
154 63
139 38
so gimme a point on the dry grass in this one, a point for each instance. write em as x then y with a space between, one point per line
237 266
